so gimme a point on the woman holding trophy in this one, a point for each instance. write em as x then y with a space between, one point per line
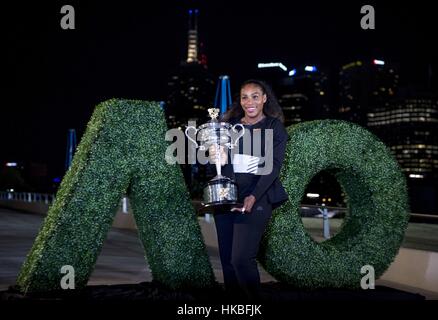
240 229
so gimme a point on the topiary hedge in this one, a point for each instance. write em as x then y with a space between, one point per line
121 152
373 228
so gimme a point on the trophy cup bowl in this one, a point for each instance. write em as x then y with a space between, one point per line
220 194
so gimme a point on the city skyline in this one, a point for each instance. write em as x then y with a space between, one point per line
129 51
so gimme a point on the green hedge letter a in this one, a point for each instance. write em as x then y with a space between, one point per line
122 152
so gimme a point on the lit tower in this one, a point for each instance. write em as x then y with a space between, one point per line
71 146
192 48
191 88
223 94
191 92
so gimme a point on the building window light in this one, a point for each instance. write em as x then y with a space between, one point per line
312 195
11 164
379 62
272 65
310 68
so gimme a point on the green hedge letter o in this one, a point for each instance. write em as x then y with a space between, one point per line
377 216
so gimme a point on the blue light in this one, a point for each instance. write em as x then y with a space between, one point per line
57 180
190 11
292 72
310 68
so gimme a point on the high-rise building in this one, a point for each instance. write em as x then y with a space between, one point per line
223 100
191 89
304 95
193 44
364 86
409 127
302 92
405 119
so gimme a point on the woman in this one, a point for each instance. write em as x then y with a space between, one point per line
260 190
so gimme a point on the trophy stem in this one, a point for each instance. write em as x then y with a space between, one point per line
218 169
218 161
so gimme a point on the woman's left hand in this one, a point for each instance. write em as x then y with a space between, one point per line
248 203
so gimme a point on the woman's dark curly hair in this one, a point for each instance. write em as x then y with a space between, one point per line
271 107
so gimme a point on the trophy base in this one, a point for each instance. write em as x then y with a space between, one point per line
221 207
220 196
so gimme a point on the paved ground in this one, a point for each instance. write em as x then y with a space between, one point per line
122 260
420 236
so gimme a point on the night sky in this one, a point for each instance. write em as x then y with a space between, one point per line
53 78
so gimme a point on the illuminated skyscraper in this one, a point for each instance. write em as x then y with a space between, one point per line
302 92
191 89
192 48
405 119
364 86
222 99
409 127
303 95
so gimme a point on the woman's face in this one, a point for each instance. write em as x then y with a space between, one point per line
252 100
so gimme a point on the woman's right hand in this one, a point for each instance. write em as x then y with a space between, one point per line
212 154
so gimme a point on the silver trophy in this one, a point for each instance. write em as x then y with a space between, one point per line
220 192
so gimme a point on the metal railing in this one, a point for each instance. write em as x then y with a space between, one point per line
27 197
310 211
46 198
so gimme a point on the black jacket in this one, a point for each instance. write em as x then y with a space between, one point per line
269 184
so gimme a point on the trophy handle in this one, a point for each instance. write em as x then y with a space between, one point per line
240 135
190 138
